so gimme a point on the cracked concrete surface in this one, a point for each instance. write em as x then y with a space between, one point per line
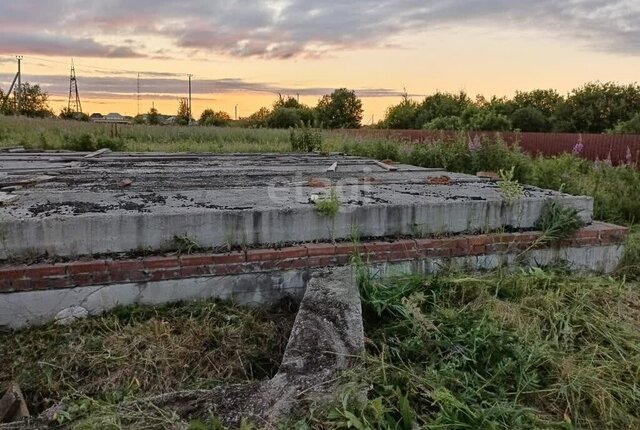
75 206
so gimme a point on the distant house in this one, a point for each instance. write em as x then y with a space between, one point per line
95 116
112 118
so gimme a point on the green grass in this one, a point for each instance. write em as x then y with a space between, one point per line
144 350
530 350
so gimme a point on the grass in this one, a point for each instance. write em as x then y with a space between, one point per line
144 350
532 350
527 350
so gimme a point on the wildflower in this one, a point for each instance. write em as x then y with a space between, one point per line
607 160
474 144
579 147
628 158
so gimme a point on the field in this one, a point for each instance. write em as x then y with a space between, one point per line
535 349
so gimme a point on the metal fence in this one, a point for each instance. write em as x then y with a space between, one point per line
620 149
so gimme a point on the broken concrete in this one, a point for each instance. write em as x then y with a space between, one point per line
326 339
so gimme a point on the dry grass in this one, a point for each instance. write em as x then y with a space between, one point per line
142 351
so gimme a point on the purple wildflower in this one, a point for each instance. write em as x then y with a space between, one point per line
579 147
474 144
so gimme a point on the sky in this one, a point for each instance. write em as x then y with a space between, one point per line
245 53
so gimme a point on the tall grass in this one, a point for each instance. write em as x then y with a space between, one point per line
531 350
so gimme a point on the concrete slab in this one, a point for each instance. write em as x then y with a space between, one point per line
218 200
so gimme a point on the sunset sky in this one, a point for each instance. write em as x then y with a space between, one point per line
246 52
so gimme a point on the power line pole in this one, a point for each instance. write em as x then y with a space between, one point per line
190 98
138 88
19 89
236 112
73 91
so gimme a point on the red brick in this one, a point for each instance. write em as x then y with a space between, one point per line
196 260
44 270
341 260
164 274
428 243
81 279
161 262
321 261
293 263
59 282
13 272
376 247
316 249
130 276
262 255
231 258
124 265
293 252
402 245
86 266
407 254
230 269
192 271
347 248
101 278
38 284
19 285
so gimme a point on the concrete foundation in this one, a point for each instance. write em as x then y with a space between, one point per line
72 206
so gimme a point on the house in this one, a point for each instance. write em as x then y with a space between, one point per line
113 118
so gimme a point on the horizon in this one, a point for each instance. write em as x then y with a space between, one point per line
245 55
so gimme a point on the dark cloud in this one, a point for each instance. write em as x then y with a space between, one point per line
117 86
52 44
292 28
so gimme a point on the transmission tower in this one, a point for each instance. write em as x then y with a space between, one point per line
74 97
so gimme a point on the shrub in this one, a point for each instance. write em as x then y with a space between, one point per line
530 119
305 139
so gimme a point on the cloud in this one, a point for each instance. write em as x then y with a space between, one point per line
119 87
52 44
299 28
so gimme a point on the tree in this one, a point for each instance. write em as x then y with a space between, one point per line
153 116
290 117
34 102
545 101
211 118
487 120
530 119
259 118
67 113
440 105
597 107
445 123
287 102
402 115
628 127
340 109
183 116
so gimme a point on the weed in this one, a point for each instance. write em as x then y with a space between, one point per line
183 245
328 206
510 189
305 139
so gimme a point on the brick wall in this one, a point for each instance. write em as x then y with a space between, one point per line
15 278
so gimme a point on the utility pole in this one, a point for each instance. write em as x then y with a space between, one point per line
138 93
73 91
19 89
236 112
190 98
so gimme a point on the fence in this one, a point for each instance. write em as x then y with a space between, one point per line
620 149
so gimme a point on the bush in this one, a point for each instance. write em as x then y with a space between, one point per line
530 119
445 123
305 140
86 142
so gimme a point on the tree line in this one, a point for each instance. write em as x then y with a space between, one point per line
593 108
